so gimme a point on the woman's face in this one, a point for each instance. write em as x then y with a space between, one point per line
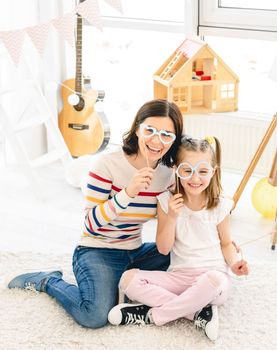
155 138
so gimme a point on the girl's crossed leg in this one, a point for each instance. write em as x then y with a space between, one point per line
176 294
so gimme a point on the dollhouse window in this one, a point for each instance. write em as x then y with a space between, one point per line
179 95
176 95
227 91
183 94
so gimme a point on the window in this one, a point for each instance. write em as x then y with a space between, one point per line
123 58
251 60
249 19
147 9
227 91
122 63
243 34
249 4
168 15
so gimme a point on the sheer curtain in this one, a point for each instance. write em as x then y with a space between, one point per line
16 15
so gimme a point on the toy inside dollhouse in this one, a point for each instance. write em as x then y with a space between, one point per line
197 80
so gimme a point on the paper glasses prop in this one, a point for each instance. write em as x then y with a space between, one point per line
202 169
148 131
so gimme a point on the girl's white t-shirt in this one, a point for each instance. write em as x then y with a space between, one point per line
197 243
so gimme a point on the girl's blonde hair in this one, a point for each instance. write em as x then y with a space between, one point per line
214 189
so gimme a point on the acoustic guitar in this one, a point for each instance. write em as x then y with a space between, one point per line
84 129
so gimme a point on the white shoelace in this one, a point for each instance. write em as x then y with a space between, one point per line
134 319
30 286
200 322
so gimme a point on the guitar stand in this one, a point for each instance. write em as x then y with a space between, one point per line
272 179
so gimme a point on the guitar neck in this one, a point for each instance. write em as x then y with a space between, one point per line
79 35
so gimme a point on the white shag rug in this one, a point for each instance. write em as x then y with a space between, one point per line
30 320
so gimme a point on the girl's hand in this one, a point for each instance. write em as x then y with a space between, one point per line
240 268
175 205
140 181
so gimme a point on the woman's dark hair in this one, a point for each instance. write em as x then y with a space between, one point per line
156 108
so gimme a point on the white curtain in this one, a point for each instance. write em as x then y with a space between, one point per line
18 14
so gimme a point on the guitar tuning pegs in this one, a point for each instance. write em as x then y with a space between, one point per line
100 95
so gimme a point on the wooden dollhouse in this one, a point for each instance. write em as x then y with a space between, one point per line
197 80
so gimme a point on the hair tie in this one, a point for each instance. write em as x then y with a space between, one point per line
210 140
186 138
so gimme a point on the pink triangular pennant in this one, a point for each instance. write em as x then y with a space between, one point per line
65 26
13 41
38 34
89 10
116 4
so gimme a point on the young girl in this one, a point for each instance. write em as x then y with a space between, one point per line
193 224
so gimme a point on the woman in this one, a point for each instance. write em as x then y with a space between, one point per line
121 196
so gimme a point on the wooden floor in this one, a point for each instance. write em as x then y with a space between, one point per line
54 224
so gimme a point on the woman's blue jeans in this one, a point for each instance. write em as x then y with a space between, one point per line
97 272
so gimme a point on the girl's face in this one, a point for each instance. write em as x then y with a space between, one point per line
155 137
196 171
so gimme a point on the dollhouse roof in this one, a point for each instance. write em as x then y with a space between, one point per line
190 49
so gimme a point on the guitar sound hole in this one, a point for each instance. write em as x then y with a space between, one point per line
81 104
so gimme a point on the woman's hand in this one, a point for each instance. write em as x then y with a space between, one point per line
140 181
175 205
240 268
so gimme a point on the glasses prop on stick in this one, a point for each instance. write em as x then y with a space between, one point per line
146 154
177 183
147 131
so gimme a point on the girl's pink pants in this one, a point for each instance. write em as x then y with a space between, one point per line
179 293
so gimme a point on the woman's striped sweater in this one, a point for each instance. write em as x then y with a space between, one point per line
112 218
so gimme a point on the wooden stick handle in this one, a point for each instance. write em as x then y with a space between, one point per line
272 179
177 183
255 160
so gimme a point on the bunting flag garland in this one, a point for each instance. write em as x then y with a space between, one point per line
65 26
89 9
116 4
13 42
38 34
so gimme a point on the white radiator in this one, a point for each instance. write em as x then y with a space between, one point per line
239 134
